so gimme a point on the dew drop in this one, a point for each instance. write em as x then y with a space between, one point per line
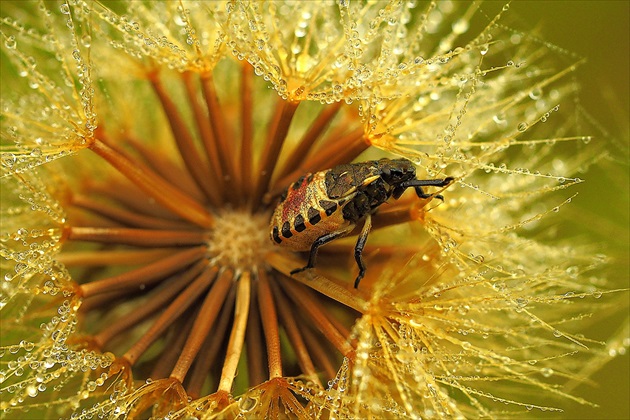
32 391
535 93
10 42
522 127
546 372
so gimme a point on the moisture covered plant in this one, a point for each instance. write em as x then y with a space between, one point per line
144 146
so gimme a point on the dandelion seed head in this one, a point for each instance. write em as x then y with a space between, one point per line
138 277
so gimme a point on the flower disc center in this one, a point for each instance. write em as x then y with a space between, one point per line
240 240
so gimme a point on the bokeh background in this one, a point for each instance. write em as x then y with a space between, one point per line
598 31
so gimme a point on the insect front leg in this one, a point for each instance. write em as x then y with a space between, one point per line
417 184
358 249
322 240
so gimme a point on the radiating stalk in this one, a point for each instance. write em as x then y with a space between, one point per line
108 258
152 184
145 275
323 356
317 315
174 344
247 128
269 318
207 138
125 217
255 342
237 336
159 298
349 297
129 196
137 237
203 323
225 147
307 141
170 314
197 167
278 130
289 323
343 150
211 347
164 166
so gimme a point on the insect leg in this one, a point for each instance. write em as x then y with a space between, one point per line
358 249
322 240
419 183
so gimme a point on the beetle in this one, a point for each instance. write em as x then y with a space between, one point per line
321 207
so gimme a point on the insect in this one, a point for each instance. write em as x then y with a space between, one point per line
321 207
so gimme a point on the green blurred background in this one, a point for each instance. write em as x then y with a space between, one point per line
599 31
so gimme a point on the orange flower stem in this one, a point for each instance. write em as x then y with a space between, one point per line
256 363
191 157
247 127
343 150
338 151
304 299
123 216
104 299
237 336
393 216
164 166
351 298
213 177
343 251
293 332
137 237
269 319
158 299
104 258
225 148
174 343
151 183
145 275
171 313
130 196
314 132
278 131
323 357
203 323
211 347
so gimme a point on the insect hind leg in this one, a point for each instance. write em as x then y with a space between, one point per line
322 240
358 249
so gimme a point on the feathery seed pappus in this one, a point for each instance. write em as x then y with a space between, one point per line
321 207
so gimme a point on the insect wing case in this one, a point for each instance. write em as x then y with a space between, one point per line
307 213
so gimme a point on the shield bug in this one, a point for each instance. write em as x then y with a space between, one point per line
321 207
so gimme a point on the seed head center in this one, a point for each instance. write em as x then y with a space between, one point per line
240 240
